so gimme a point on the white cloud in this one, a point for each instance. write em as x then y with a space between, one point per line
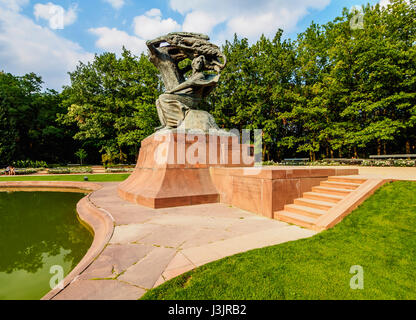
13 5
146 27
154 13
57 16
113 40
151 25
245 17
27 47
116 4
200 21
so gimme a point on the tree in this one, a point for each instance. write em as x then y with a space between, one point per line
81 154
255 87
112 102
28 128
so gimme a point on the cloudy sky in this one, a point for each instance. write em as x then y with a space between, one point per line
50 37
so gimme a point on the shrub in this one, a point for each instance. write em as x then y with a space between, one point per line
59 171
118 170
20 172
270 163
30 164
25 171
70 170
80 170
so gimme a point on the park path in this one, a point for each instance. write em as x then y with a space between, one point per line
394 173
149 246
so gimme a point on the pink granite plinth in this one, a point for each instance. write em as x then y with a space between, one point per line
173 169
266 190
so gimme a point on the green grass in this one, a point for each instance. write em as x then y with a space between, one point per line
380 236
91 178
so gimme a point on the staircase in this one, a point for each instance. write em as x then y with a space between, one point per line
98 169
328 203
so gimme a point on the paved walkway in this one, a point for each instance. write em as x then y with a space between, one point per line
396 173
151 246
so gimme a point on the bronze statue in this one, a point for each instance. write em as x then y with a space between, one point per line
184 95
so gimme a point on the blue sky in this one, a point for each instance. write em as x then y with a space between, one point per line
50 37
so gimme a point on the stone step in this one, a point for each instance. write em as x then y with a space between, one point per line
322 197
323 205
340 185
304 211
347 179
294 218
333 191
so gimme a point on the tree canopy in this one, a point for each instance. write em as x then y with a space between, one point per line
334 91
112 102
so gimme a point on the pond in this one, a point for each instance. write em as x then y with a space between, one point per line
38 231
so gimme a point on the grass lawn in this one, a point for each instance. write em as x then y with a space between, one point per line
380 236
69 177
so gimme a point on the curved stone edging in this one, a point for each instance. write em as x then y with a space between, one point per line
51 184
101 222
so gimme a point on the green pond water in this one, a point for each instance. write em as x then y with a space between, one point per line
38 230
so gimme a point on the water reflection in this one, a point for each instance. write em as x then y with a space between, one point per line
38 230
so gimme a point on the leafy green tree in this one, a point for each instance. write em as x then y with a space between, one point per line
81 154
112 102
28 127
255 87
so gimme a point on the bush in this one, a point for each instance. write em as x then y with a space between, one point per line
270 163
30 164
25 171
80 170
20 172
59 171
389 163
119 170
364 163
70 170
109 166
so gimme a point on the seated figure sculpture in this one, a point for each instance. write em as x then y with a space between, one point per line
177 108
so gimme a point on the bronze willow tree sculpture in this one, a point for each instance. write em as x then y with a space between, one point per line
176 107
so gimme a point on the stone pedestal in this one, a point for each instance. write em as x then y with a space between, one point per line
173 168
266 190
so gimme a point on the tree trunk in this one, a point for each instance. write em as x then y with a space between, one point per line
355 152
379 147
408 147
385 148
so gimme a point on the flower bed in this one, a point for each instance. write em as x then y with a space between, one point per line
20 172
364 163
70 170
59 171
119 170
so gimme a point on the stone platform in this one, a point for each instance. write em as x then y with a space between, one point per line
173 168
181 169
150 246
265 190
